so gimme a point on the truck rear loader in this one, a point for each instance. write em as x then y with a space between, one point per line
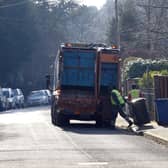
82 76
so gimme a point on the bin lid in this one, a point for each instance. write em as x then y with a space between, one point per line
161 99
137 99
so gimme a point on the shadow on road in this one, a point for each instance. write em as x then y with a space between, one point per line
25 110
4 135
86 128
147 127
8 136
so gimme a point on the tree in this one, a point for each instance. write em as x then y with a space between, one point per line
14 29
81 24
128 24
143 27
154 22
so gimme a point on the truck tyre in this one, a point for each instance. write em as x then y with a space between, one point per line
57 118
98 116
62 120
99 120
53 114
107 123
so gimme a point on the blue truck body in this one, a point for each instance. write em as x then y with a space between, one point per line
109 75
78 68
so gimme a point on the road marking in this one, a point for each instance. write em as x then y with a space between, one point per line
77 147
92 163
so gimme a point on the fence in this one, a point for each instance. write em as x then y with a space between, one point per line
160 90
161 86
149 94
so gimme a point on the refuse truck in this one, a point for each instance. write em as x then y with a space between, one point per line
82 76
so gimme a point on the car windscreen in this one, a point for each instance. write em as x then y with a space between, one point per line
47 93
37 94
15 92
6 94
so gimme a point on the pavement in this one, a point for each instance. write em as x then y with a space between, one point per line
151 130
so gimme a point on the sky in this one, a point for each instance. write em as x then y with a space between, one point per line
97 3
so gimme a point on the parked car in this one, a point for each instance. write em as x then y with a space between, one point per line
48 94
8 94
3 101
37 97
19 97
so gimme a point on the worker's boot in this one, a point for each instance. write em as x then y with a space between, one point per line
129 122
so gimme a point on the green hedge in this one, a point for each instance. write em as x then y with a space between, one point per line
147 78
137 69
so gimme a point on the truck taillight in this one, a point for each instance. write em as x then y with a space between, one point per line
68 45
57 92
114 47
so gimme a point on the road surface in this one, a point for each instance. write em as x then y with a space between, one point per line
29 140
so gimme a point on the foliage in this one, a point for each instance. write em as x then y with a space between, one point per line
31 32
143 28
16 40
137 69
147 78
128 25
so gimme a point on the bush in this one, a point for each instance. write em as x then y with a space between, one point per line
147 79
137 69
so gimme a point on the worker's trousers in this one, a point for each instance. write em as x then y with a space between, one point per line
118 109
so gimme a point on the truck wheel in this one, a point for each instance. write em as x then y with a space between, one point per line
107 123
98 116
62 120
53 114
99 120
57 118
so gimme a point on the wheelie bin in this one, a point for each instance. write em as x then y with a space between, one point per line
138 111
162 111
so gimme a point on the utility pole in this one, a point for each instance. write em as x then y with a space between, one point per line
149 27
117 24
150 48
117 40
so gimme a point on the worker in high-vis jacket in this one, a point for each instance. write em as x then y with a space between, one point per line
118 104
134 93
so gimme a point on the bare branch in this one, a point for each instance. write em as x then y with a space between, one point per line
153 6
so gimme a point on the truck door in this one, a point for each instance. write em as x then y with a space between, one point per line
108 77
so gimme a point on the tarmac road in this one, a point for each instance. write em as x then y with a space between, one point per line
29 140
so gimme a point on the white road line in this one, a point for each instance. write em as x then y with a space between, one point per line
92 163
